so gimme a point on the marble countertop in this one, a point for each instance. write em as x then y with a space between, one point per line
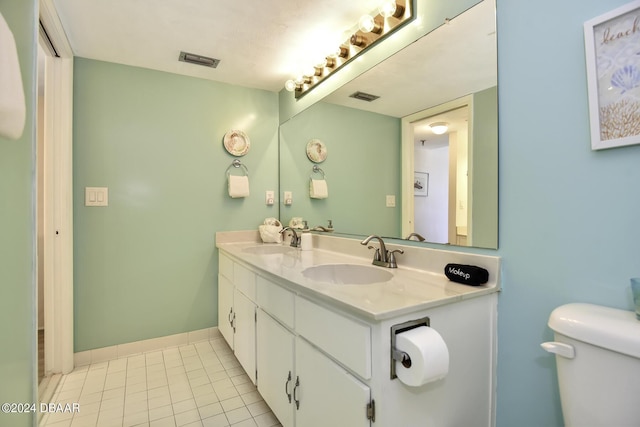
408 291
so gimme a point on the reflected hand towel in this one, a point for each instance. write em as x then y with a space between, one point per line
318 189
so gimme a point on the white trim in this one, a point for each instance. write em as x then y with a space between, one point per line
58 200
408 165
114 352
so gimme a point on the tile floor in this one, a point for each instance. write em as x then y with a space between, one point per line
197 385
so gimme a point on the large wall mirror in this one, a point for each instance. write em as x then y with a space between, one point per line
387 171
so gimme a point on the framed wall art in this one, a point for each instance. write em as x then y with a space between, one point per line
612 49
420 184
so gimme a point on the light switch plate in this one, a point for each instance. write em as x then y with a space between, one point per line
96 196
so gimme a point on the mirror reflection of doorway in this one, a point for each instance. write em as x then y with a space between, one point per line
441 155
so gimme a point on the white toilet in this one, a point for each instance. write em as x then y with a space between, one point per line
598 359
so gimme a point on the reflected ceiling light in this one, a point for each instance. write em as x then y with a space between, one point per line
439 127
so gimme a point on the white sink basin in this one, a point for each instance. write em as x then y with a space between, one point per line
347 274
268 249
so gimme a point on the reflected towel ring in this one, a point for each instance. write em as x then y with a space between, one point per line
316 169
237 164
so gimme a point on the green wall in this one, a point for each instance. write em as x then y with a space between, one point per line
362 167
146 265
17 230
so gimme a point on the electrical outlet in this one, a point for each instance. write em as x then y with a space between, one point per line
288 198
391 201
269 197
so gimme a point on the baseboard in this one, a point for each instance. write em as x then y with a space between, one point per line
119 351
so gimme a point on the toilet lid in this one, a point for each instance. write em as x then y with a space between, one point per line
610 328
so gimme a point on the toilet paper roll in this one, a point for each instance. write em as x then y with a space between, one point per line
429 356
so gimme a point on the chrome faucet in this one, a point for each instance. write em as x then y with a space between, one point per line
418 237
295 239
382 256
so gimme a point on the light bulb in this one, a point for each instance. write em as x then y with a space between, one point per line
387 8
322 63
366 23
290 85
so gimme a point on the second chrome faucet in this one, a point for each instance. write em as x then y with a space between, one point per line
382 257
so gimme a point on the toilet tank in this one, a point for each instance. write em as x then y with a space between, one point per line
598 360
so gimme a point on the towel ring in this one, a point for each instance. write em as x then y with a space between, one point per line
237 164
316 169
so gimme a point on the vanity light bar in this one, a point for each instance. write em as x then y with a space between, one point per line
361 39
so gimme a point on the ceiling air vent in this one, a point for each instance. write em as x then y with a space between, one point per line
364 96
198 59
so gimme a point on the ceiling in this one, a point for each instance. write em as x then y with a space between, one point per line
260 44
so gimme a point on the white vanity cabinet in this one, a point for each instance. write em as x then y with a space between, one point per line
237 311
323 361
300 381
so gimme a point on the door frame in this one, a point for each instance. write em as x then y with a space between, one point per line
408 163
58 197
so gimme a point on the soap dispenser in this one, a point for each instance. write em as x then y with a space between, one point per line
306 242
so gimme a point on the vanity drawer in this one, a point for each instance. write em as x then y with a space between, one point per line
225 266
245 281
346 340
276 300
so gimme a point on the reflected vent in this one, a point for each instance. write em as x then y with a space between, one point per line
364 96
198 59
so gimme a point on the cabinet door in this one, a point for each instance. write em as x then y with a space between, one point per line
275 367
327 394
244 341
225 309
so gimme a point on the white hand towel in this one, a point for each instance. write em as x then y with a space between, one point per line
12 104
318 189
238 186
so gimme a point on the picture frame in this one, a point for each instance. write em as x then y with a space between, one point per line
612 43
421 184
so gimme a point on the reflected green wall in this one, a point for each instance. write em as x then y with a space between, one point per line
146 265
17 230
362 167
484 210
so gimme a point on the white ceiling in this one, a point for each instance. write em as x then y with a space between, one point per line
260 43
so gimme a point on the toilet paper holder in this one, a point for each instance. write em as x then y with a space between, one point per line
401 356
